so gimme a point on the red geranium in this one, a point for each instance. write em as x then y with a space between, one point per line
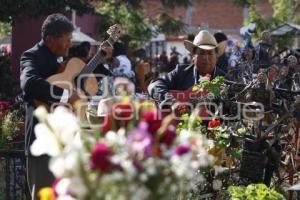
214 123
101 157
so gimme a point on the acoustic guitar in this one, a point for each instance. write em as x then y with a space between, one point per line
70 76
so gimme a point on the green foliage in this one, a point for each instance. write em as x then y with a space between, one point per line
174 3
10 123
5 30
138 27
10 10
283 12
241 2
168 24
254 192
134 22
213 86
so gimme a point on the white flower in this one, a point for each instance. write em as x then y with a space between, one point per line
78 187
45 142
56 131
62 186
41 113
217 184
65 165
64 124
219 169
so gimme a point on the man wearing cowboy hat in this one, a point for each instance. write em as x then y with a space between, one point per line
204 52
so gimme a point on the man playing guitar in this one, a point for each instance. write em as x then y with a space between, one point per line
37 64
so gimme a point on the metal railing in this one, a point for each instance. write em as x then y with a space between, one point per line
13 183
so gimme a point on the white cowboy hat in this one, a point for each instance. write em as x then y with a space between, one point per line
203 40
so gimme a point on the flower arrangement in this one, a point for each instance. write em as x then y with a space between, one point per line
11 127
130 151
143 158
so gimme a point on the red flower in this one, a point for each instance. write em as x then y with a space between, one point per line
168 136
4 105
101 157
122 111
214 123
107 123
154 121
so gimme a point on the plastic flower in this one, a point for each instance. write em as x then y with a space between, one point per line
101 157
214 123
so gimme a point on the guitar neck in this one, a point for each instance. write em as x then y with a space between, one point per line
97 59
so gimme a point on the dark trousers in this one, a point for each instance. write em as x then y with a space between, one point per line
38 174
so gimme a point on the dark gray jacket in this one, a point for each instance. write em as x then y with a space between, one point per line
181 78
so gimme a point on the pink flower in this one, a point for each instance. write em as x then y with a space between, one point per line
154 121
214 123
139 141
182 149
168 136
101 157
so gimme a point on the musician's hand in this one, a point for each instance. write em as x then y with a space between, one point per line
74 97
106 50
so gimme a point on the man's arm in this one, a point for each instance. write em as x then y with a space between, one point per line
159 89
34 85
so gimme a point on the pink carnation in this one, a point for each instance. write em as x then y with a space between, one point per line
101 157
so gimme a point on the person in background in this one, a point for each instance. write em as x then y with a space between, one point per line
142 70
174 59
183 77
81 51
222 62
163 60
121 65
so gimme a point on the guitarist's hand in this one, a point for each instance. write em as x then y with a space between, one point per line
106 50
74 97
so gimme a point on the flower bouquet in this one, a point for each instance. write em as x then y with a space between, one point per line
135 154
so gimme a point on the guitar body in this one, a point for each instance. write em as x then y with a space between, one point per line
66 79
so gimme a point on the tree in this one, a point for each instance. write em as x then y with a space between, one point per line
5 30
283 11
128 13
138 27
10 10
